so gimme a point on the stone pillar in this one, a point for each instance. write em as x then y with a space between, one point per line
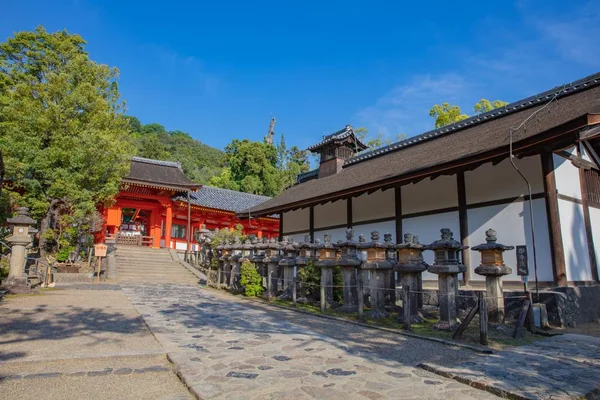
349 261
19 241
306 255
447 266
379 267
493 268
326 260
410 267
288 263
272 258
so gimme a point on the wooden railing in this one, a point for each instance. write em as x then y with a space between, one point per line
135 240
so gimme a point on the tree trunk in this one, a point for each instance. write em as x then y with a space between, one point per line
45 225
2 172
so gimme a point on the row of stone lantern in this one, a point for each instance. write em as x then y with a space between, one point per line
382 260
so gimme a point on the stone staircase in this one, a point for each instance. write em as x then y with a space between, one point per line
146 265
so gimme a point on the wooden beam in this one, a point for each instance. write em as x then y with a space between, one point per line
587 221
349 212
398 212
556 242
464 225
311 223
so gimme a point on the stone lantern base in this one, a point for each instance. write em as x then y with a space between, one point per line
410 275
378 287
494 293
350 289
326 296
16 284
448 290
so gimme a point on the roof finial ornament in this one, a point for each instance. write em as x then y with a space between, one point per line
270 136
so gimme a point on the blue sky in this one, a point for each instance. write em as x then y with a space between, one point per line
220 69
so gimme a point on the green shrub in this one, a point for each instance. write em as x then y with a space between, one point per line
309 277
250 279
4 267
63 254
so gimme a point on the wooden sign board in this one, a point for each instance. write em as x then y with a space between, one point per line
522 265
100 250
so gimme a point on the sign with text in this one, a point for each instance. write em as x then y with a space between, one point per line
100 250
522 265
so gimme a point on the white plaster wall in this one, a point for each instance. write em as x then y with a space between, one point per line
428 195
381 227
493 182
512 224
330 214
336 234
427 228
567 177
595 222
373 206
298 237
584 153
180 246
577 260
297 220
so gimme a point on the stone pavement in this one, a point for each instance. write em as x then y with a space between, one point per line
81 342
561 367
231 348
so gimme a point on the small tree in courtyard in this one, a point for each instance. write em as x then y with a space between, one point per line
250 279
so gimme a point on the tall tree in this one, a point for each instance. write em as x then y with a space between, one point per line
446 114
64 139
485 105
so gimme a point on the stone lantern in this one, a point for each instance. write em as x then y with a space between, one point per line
410 266
259 253
326 260
493 268
306 252
226 258
203 238
220 264
20 240
392 257
379 267
447 266
247 251
349 261
288 263
234 260
272 258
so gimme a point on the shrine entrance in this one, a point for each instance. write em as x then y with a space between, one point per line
135 227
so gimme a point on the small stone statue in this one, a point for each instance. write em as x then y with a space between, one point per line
375 236
349 234
327 237
387 238
362 238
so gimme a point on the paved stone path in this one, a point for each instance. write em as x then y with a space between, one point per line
229 348
83 341
562 367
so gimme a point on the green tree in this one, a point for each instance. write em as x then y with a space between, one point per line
446 114
252 166
290 163
485 105
62 133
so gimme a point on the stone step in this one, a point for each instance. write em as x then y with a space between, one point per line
156 273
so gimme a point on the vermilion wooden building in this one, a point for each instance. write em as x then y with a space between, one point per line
158 206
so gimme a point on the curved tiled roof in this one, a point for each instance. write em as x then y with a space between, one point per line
341 134
223 199
159 172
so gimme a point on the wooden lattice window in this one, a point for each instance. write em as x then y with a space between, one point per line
592 183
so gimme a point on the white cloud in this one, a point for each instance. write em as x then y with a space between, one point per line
405 109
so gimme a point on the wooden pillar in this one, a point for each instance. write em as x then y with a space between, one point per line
349 217
587 221
168 226
155 220
464 225
311 223
398 213
188 231
556 242
280 226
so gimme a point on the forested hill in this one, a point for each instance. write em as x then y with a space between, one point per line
199 161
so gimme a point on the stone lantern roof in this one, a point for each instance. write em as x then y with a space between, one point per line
290 249
22 218
447 242
376 249
348 247
491 243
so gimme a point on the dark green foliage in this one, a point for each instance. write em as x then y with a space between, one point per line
338 283
199 161
250 279
309 278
